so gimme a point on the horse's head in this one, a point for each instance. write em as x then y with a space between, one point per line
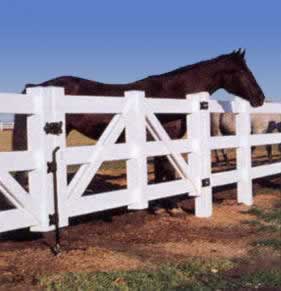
239 80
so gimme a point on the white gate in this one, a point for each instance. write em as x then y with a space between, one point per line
135 114
26 206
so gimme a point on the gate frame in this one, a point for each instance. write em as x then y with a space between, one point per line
135 113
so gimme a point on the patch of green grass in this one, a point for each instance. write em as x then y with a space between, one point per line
193 275
268 228
269 221
273 243
197 275
272 217
254 211
252 222
271 278
261 227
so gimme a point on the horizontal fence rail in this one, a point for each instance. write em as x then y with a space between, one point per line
6 126
134 113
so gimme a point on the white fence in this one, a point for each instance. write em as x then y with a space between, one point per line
136 114
6 126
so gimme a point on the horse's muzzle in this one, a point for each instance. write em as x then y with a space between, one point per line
257 101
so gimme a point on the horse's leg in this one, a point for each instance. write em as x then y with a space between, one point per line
156 205
217 157
269 152
225 157
278 126
164 171
160 175
272 126
253 149
169 174
158 170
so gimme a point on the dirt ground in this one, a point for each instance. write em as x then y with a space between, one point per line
122 240
127 240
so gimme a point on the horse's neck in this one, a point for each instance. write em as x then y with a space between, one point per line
198 79
205 77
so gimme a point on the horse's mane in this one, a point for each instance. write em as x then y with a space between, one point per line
215 60
236 56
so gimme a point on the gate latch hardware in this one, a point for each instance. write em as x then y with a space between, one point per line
51 167
53 128
204 105
206 182
54 218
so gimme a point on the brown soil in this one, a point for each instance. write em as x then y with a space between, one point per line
122 240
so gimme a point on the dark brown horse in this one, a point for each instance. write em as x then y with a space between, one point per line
229 72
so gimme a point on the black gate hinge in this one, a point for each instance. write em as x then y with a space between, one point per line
204 105
51 167
53 219
53 128
206 182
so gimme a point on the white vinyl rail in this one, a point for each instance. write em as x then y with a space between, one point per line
135 113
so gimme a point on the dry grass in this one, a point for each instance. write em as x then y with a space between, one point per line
5 141
77 139
74 139
137 240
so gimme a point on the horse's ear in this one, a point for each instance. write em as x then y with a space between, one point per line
242 53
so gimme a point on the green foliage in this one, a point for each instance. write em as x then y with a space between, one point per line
193 275
273 243
269 222
190 276
196 275
257 280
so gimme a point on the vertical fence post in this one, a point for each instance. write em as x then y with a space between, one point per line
136 137
199 160
244 154
42 145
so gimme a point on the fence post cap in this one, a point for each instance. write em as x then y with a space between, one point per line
43 89
135 93
200 96
242 105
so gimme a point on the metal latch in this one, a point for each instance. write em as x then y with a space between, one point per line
204 105
54 218
51 167
53 128
206 182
